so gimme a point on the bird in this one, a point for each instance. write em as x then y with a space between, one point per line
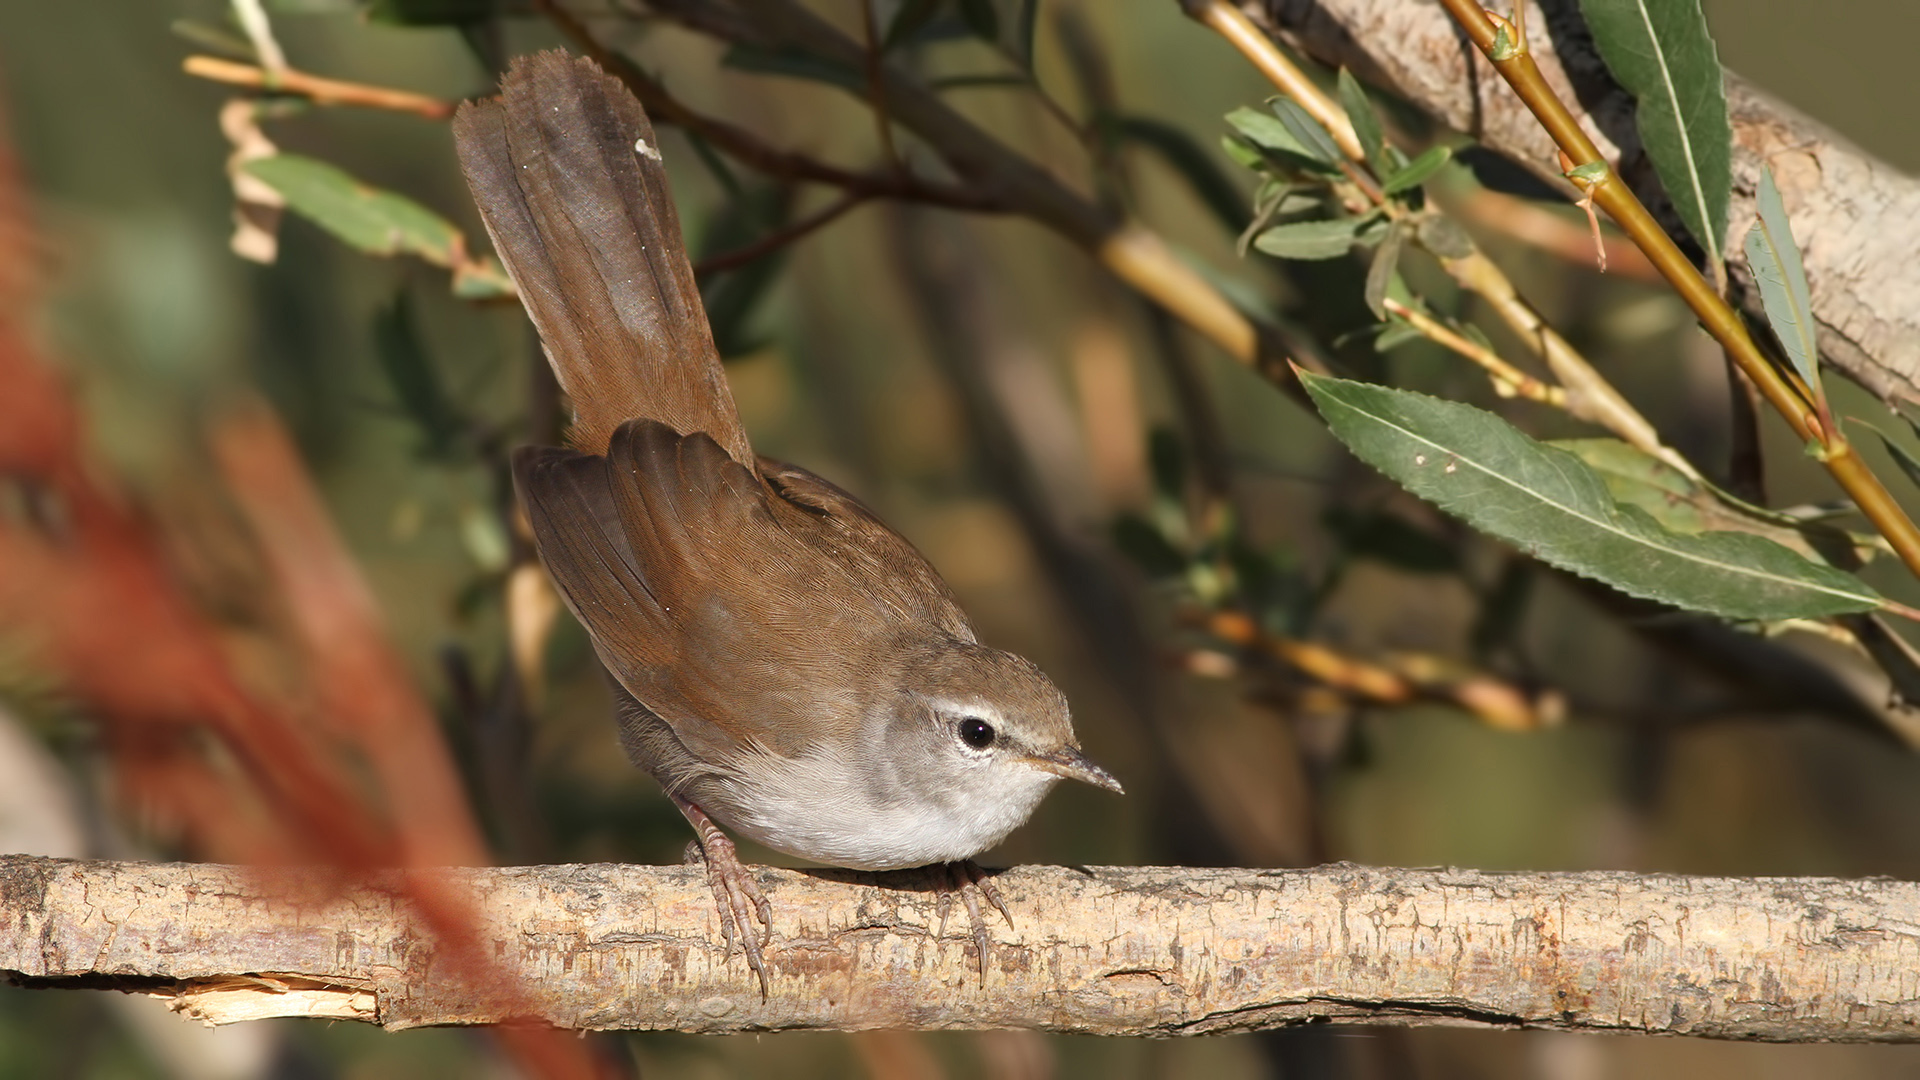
782 662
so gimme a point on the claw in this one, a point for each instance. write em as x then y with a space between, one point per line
734 892
971 883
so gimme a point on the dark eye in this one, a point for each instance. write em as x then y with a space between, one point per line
976 733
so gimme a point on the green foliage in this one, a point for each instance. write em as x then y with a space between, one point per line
1775 261
1366 125
733 297
1416 172
1328 239
1661 52
376 221
444 12
416 384
1550 504
982 18
1683 504
1307 132
1194 165
1387 537
796 64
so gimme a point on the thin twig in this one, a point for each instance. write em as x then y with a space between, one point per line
1540 227
772 242
1397 680
876 87
319 90
750 149
1507 379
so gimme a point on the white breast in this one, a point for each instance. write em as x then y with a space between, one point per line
822 808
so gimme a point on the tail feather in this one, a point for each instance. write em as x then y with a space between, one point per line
568 179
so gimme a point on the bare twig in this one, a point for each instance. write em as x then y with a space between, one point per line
753 151
1509 381
767 245
321 91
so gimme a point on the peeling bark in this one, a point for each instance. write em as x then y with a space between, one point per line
1102 950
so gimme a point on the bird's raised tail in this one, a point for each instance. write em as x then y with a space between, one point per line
568 178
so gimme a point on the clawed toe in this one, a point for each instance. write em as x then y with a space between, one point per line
736 896
966 879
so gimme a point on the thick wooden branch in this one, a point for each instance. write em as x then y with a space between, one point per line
1857 218
1104 950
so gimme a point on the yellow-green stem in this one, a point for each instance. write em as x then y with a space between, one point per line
1859 482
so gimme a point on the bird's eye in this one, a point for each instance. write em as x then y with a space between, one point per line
976 733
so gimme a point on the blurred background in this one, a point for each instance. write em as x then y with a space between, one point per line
1092 481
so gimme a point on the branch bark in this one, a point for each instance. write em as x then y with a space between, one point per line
1102 950
1858 218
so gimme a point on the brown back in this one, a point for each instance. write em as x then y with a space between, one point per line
567 175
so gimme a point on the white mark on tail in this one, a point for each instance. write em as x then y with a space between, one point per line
645 149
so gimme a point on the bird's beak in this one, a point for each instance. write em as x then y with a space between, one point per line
1073 764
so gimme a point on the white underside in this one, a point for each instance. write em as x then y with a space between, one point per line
821 808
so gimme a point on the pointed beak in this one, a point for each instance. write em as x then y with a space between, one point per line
1073 764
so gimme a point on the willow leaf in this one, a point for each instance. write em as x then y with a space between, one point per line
1549 504
1775 260
1661 52
375 221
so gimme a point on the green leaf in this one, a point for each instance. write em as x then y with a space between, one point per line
1195 166
215 39
962 82
1366 122
1392 539
797 64
1141 542
1306 131
982 18
1903 457
733 297
1444 237
1683 504
1242 152
1025 22
1417 171
1168 461
443 12
1268 132
415 383
1380 273
909 20
1661 52
1775 260
367 218
1395 333
1504 609
1548 503
1311 239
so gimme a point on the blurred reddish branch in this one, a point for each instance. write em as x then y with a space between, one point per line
240 773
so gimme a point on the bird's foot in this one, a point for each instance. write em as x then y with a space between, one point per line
971 884
734 893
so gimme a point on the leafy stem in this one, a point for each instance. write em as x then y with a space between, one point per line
1788 397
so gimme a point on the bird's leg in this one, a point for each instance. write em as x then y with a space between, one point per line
971 883
734 892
